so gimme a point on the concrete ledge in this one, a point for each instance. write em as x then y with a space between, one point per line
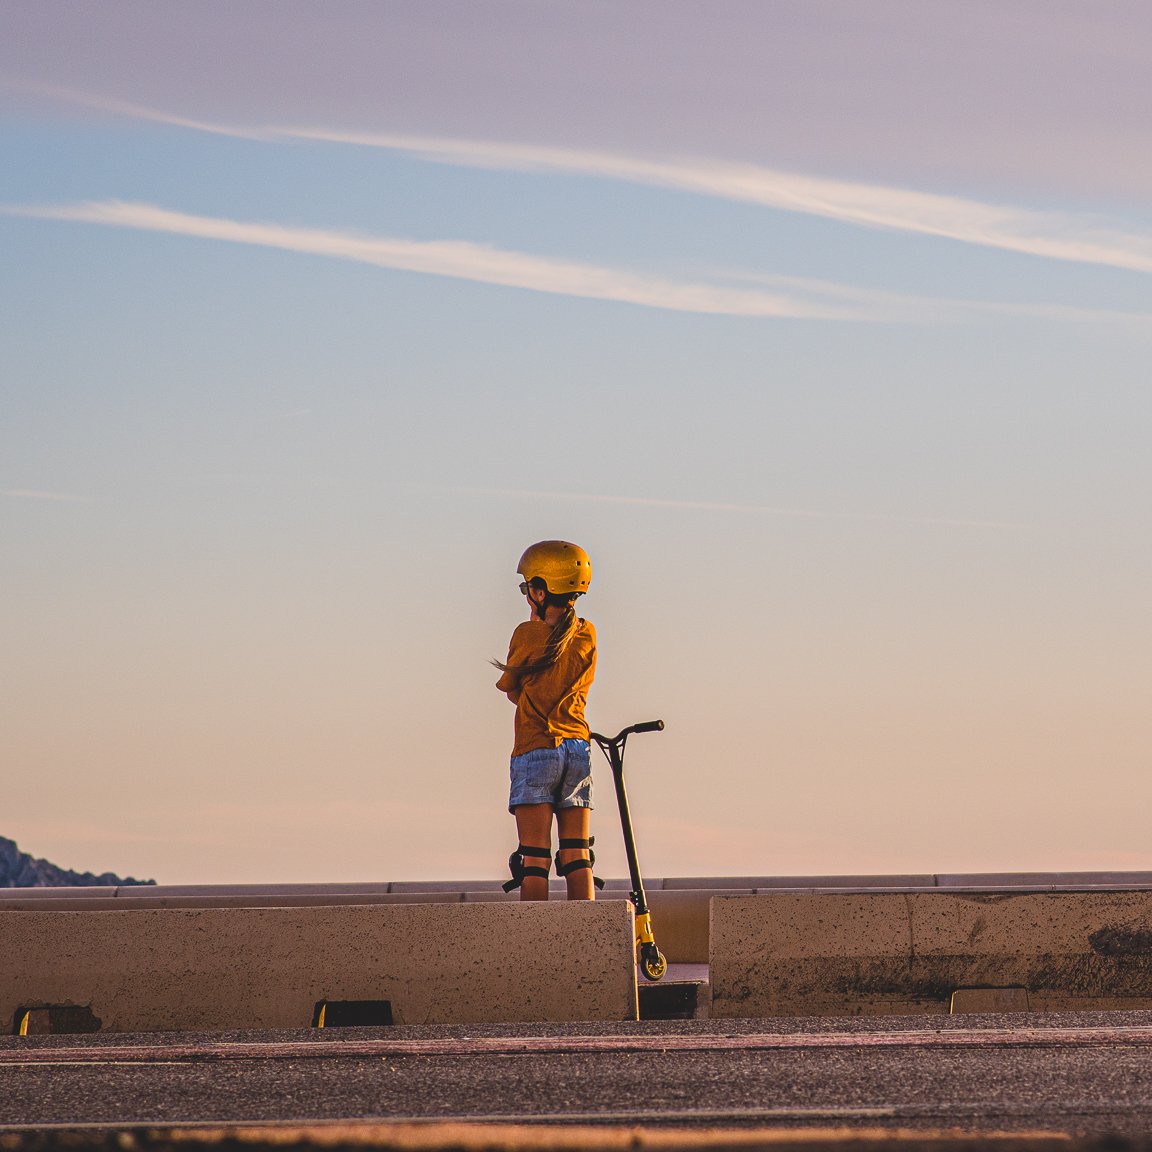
680 924
821 954
145 891
756 883
256 900
220 968
679 905
1042 880
1035 881
680 917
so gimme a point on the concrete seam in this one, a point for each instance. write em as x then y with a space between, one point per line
911 931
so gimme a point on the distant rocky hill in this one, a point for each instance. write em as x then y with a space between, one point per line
19 870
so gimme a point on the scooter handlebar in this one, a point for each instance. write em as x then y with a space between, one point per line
646 726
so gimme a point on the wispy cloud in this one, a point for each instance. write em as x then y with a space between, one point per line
488 265
129 110
39 494
791 298
724 506
1058 236
1062 236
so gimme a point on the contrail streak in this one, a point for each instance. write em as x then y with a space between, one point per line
1055 235
1064 236
724 506
796 298
37 494
475 262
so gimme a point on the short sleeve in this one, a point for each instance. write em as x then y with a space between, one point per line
516 652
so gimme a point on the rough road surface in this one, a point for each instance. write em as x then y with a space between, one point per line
1044 1078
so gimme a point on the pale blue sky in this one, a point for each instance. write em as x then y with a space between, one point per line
823 327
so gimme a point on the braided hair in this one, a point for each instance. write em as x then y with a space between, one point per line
559 638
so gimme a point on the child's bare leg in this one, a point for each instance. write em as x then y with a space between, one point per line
534 828
573 824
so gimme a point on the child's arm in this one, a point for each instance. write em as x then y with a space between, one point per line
509 682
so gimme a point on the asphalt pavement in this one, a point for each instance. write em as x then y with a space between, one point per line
1082 1075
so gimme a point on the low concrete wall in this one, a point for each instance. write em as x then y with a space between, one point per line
820 954
680 917
219 968
679 905
756 883
1030 880
679 921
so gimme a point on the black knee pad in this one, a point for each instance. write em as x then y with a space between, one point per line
578 865
519 869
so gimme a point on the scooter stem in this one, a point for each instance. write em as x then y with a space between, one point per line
616 759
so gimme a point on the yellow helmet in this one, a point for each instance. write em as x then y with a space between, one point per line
562 566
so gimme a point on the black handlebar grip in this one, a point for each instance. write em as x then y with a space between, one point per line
650 726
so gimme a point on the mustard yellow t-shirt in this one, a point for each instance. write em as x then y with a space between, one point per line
551 704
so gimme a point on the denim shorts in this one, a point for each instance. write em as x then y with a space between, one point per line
560 776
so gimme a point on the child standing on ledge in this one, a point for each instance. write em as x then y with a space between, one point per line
551 662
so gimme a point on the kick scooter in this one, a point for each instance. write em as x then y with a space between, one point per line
652 962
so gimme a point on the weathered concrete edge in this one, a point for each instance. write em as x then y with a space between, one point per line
225 968
1035 880
680 916
871 953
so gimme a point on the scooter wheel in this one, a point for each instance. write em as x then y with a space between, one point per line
652 962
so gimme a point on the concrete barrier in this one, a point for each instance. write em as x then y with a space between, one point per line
679 905
680 924
256 900
168 969
871 953
757 883
679 921
680 916
1031 880
1040 881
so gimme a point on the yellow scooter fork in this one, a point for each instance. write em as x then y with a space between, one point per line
644 929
